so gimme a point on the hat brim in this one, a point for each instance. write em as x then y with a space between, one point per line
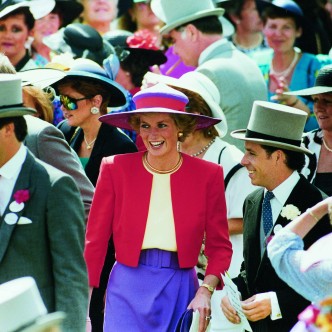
121 119
204 13
16 111
70 10
241 134
116 91
41 77
45 322
153 57
316 90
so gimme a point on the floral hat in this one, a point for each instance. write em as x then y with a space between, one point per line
157 99
141 44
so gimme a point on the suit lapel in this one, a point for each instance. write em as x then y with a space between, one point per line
23 182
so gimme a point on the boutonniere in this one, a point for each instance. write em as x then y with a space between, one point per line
290 212
20 196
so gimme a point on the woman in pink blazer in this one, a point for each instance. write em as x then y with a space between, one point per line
159 205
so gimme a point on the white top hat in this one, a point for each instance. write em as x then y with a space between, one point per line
21 307
176 13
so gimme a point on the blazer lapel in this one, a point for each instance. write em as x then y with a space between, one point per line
6 228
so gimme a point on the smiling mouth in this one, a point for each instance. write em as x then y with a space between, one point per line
156 144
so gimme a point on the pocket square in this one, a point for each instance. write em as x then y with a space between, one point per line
24 221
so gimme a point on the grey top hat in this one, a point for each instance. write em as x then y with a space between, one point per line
275 125
323 84
11 102
176 13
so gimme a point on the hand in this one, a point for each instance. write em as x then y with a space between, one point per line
257 307
280 97
229 311
202 303
149 79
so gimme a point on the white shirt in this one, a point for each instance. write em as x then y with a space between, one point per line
9 173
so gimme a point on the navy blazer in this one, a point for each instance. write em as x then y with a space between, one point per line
257 275
110 141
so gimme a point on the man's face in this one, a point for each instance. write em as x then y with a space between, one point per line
260 165
184 47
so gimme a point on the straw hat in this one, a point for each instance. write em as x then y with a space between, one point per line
157 99
22 308
275 125
201 84
11 102
176 13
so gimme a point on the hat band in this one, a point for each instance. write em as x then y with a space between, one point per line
255 134
11 106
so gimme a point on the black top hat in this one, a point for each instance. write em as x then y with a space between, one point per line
70 10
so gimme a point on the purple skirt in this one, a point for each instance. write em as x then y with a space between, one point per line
151 296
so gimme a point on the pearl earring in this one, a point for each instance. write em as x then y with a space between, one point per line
94 110
180 134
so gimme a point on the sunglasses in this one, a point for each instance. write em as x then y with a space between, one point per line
71 103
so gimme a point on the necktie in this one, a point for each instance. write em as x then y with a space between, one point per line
267 212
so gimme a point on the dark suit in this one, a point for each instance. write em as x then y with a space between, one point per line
110 141
50 246
257 275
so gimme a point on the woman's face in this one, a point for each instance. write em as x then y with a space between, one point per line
323 110
46 26
80 116
143 16
13 35
281 33
96 11
159 134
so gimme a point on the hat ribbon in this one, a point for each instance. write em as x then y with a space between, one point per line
11 106
255 134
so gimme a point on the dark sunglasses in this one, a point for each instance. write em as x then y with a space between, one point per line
71 103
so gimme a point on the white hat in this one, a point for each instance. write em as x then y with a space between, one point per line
201 84
176 13
21 307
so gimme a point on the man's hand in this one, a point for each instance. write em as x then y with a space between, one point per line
257 307
229 311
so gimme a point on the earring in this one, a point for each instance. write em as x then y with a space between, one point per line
94 110
180 134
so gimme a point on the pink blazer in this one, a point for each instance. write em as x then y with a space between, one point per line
120 208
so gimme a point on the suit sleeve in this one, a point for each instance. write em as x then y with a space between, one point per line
99 227
65 227
53 149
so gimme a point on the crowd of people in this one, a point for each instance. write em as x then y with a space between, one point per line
153 152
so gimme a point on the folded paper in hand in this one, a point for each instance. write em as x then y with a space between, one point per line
234 297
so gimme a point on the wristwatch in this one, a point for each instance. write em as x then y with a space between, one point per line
209 287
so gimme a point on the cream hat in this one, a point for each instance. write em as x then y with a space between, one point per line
22 308
175 13
275 125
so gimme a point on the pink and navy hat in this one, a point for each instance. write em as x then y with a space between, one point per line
160 98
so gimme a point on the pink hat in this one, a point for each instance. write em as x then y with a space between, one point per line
160 98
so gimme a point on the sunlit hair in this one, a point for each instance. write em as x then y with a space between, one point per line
197 105
41 101
185 123
88 88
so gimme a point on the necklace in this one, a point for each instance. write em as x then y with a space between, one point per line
285 72
326 147
204 148
89 145
148 165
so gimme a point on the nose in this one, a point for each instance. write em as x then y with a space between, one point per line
244 160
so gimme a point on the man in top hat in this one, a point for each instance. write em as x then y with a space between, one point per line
274 157
42 217
197 37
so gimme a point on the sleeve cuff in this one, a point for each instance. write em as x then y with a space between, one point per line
275 309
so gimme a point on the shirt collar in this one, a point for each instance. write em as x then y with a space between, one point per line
282 192
210 49
13 166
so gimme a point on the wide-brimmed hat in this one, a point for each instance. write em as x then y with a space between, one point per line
275 125
287 6
175 13
11 100
202 85
22 308
89 70
159 98
323 84
70 10
140 44
81 41
38 8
